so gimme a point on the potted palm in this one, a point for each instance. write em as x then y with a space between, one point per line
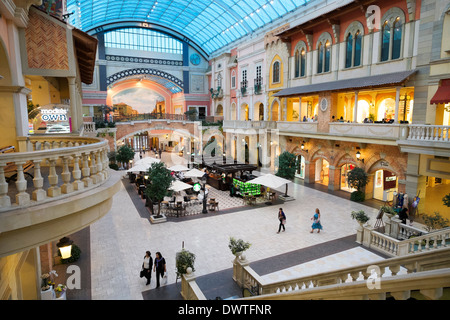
360 216
238 246
184 262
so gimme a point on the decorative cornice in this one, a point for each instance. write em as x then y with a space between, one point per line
118 58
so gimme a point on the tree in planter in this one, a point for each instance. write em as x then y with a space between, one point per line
125 154
184 260
238 245
160 180
358 179
286 165
434 222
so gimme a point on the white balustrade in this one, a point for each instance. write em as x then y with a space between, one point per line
54 164
429 133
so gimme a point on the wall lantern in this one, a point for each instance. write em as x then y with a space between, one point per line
358 157
303 148
65 247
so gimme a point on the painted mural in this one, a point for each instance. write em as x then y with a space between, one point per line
134 101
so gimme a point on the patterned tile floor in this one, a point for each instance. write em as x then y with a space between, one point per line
119 240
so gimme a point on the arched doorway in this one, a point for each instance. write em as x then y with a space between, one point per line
345 169
363 111
244 112
322 171
275 111
219 110
386 109
259 112
300 167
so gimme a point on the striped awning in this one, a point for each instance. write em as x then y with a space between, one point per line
390 79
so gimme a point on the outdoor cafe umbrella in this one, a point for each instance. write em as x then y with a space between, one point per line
139 168
194 173
178 167
271 181
178 186
146 160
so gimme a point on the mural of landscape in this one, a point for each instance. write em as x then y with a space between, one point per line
139 100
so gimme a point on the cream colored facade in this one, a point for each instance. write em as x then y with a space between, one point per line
33 219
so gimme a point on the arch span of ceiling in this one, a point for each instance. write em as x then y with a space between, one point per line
210 24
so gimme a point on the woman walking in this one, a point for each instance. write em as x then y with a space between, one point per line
147 266
316 222
282 219
159 267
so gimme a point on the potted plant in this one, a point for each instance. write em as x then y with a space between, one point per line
360 216
184 262
358 179
237 246
389 211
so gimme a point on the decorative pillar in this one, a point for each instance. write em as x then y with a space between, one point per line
355 108
397 103
73 104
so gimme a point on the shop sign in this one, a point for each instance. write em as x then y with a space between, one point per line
54 114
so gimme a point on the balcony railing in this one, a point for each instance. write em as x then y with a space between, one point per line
429 133
56 167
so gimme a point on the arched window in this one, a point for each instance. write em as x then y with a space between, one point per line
397 39
302 63
385 41
349 51
324 53
358 51
297 64
276 72
392 34
320 61
353 50
327 56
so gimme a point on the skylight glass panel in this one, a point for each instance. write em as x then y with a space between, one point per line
213 23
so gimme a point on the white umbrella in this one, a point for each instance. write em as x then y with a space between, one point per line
194 173
139 168
178 167
147 160
271 181
178 186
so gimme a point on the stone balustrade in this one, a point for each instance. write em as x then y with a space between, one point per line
57 166
384 131
428 133
190 289
353 282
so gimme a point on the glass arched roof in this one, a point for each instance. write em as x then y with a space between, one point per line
211 24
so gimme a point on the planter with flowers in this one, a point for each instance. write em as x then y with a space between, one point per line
238 246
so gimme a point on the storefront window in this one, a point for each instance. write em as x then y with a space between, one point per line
384 185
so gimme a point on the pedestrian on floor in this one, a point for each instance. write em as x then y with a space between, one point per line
282 219
147 266
159 267
316 222
160 152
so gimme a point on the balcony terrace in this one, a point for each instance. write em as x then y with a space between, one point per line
61 186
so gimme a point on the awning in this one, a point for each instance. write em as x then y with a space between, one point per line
442 94
390 79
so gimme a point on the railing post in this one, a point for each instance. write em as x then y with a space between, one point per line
5 201
65 176
76 173
367 236
239 263
22 197
39 193
54 190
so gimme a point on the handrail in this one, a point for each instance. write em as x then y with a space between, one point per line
58 165
425 261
